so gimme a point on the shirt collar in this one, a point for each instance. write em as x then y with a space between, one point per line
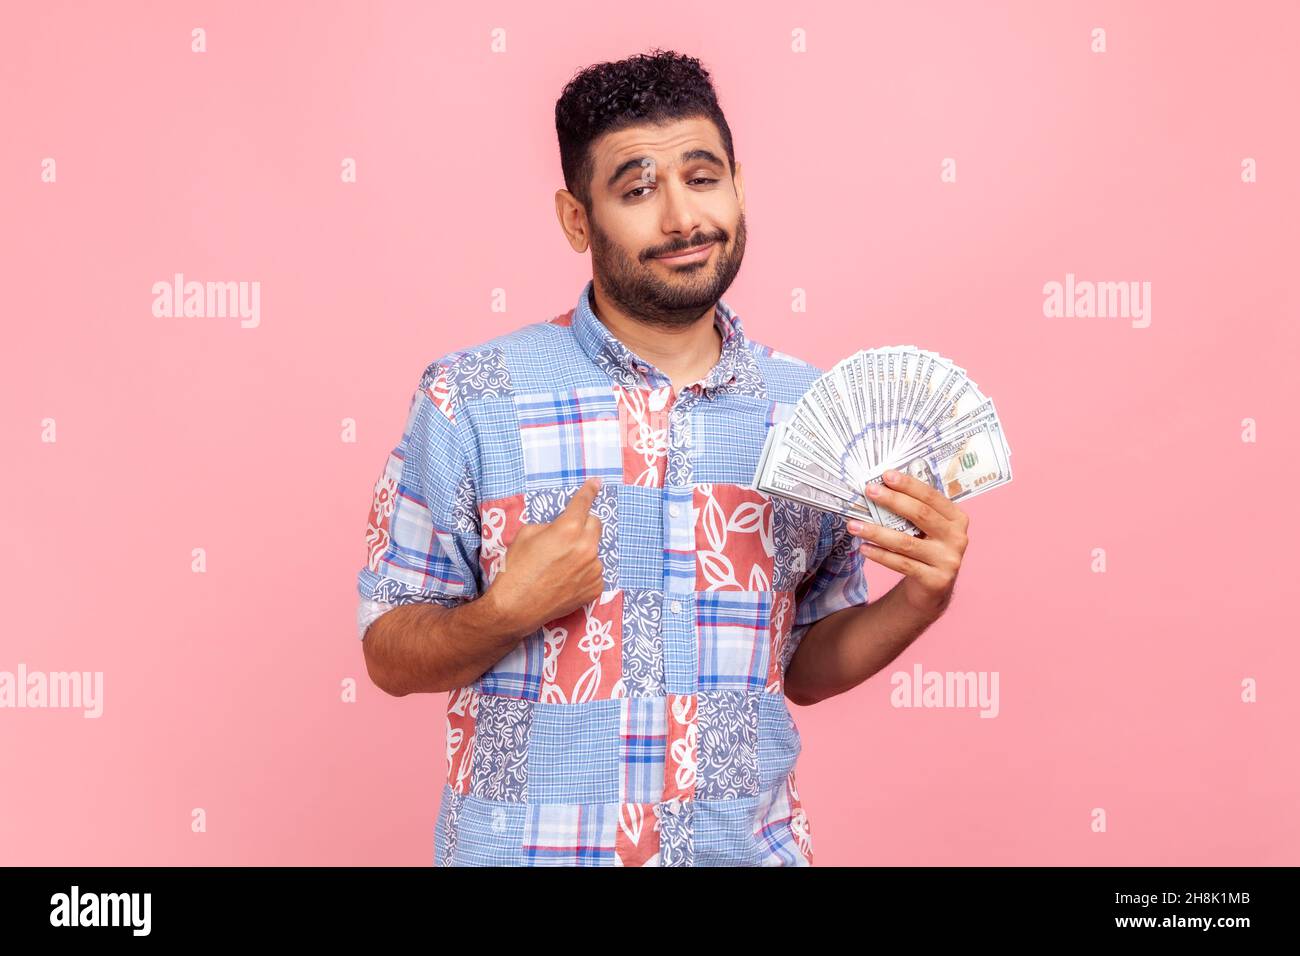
735 372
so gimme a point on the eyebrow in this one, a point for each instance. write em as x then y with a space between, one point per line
690 156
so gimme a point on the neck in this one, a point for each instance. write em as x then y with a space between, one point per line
685 354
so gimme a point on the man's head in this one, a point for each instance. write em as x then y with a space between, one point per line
649 170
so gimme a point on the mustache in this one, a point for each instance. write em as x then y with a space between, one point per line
686 248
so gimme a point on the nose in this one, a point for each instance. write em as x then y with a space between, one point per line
679 213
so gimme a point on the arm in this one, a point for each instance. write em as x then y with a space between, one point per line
429 648
843 649
426 623
549 570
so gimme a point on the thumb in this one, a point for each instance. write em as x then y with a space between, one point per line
580 504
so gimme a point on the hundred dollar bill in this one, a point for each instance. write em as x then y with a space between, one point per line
970 463
787 486
784 470
898 406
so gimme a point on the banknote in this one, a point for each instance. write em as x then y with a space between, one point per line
897 407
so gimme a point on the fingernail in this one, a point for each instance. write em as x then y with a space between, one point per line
854 527
891 475
873 489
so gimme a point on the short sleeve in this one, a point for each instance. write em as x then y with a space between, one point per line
422 536
837 581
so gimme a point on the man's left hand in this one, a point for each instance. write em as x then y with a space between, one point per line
930 561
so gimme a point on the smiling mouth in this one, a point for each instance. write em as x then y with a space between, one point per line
687 253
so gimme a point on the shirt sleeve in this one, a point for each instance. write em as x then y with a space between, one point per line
837 581
422 536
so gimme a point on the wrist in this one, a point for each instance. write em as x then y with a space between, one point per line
926 604
502 616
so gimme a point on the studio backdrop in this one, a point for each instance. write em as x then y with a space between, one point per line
1091 207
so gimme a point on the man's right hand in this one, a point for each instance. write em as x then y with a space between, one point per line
551 569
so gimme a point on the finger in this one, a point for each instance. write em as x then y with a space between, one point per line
903 504
900 542
923 491
594 524
579 505
897 562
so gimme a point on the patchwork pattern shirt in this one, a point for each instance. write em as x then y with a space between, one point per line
650 726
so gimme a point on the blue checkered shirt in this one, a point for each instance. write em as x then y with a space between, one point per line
650 726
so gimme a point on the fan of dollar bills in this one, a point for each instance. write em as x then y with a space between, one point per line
896 407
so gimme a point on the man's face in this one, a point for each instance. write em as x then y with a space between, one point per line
659 190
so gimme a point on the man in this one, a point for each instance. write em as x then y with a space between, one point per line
565 538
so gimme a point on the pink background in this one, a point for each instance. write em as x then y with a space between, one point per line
1119 690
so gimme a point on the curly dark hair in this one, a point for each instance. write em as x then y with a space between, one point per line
655 87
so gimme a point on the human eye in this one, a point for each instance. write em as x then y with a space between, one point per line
697 179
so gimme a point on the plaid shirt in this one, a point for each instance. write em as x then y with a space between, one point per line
650 726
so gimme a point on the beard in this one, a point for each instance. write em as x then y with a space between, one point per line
635 285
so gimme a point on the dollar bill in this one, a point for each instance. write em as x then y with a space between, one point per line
898 407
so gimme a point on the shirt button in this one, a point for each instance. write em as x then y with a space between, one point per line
674 510
676 607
